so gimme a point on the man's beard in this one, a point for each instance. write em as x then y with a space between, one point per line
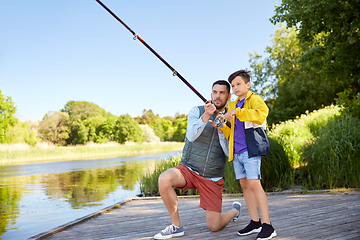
220 106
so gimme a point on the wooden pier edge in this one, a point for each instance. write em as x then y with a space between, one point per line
117 205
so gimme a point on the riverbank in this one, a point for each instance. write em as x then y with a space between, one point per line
23 153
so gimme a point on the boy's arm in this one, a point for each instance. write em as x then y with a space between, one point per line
226 131
257 114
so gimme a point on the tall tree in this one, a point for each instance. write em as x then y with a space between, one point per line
180 125
332 30
105 132
55 127
289 85
127 129
81 110
148 117
7 116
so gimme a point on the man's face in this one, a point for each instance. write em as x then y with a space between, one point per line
220 96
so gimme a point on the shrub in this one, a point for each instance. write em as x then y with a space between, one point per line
293 135
333 158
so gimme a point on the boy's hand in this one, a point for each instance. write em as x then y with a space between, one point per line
228 115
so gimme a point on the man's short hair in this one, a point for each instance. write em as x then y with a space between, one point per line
244 74
222 82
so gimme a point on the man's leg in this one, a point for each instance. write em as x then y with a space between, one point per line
216 221
167 180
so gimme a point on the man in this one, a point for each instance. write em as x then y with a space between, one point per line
201 167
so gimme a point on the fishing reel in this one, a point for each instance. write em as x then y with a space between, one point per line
218 122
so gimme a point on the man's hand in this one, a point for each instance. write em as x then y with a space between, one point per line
209 111
213 124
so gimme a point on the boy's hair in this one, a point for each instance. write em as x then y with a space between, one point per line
244 74
222 82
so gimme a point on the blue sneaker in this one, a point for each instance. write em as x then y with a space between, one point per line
169 232
237 206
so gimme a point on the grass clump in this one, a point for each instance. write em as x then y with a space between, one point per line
333 159
149 181
293 135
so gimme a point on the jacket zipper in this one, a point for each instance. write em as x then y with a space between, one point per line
208 154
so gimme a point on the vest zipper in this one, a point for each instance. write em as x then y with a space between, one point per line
208 154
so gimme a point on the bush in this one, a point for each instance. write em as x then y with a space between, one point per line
333 159
275 167
127 130
149 135
293 135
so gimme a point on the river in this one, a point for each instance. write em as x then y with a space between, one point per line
37 197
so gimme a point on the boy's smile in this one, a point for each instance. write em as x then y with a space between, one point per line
239 87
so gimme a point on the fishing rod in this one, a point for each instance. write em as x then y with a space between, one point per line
217 120
175 73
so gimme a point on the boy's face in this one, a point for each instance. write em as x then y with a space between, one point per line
239 87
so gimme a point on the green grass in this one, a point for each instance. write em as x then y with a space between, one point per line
333 159
149 181
275 171
318 150
293 135
24 153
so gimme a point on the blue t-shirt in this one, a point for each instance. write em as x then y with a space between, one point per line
239 134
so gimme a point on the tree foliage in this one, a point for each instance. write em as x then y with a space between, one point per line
289 85
332 31
127 130
81 110
7 116
55 127
180 125
163 128
148 117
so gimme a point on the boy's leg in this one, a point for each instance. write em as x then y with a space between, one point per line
250 199
261 199
216 221
167 180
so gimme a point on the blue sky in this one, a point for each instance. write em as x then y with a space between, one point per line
52 52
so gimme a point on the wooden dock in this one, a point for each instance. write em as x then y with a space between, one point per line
294 216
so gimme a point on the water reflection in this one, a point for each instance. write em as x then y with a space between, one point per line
62 192
88 187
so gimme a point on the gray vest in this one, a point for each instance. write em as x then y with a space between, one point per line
205 155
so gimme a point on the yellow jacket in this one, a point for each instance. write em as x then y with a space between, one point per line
254 116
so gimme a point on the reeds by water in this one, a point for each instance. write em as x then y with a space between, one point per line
23 153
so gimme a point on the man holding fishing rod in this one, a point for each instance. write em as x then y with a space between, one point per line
203 158
201 167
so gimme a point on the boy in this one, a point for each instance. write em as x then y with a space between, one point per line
247 143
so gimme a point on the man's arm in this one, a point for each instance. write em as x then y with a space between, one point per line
224 143
195 124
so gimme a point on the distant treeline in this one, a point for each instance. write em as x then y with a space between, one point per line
80 122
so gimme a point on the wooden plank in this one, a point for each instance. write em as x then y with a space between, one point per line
305 216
